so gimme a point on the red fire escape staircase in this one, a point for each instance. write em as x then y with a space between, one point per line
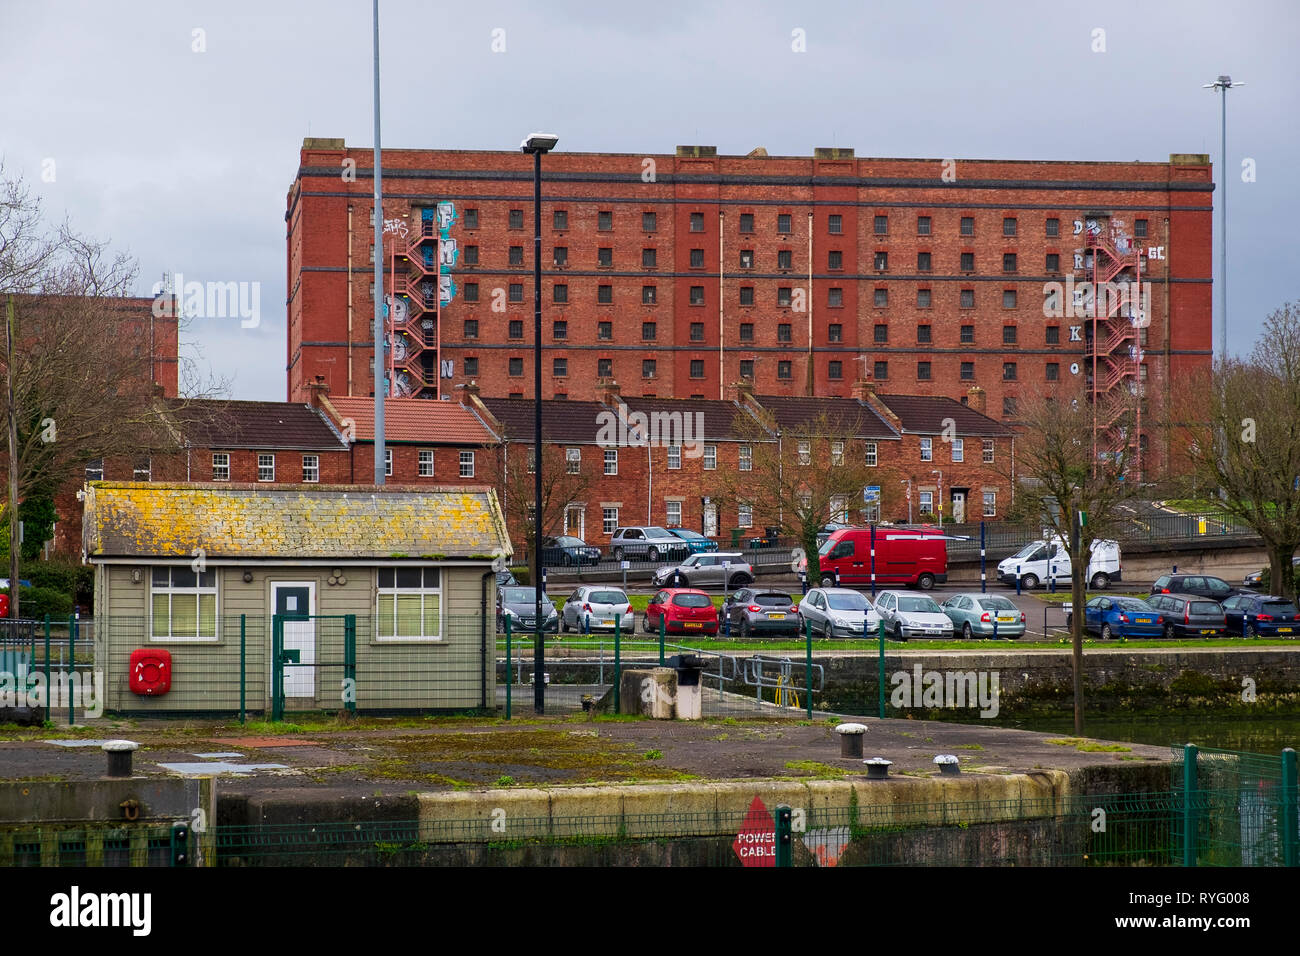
413 324
1114 351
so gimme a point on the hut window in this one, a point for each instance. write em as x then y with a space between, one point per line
410 604
183 604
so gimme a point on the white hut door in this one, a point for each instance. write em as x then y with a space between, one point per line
295 599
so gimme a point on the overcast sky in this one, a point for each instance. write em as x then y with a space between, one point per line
183 158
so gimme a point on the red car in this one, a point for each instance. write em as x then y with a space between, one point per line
683 611
4 605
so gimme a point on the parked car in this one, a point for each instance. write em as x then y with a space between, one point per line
761 611
595 607
1187 615
1040 561
1119 617
506 577
1256 580
683 611
911 614
707 570
838 612
4 605
646 543
1261 615
698 543
568 550
975 615
519 606
907 556
1201 585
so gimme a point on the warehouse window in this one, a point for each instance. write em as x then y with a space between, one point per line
516 219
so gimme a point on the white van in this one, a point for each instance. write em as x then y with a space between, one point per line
1037 561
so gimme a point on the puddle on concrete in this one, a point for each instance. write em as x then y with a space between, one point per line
220 755
207 768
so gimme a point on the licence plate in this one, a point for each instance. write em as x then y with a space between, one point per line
1209 632
1006 620
607 621
694 624
1284 630
776 617
1144 620
933 630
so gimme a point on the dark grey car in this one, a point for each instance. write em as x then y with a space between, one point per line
760 611
1187 615
519 604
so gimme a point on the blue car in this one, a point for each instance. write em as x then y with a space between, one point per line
698 543
1120 617
1261 615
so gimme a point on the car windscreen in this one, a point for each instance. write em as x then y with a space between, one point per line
1028 549
1204 607
607 597
772 600
997 604
1277 607
691 600
1128 604
918 605
847 602
567 542
519 595
826 546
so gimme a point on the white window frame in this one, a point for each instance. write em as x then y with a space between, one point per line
466 464
146 471
608 521
266 467
395 591
425 466
805 451
573 461
927 449
871 454
531 459
925 501
988 451
990 504
840 509
670 519
310 469
837 453
95 469
745 514
388 463
611 461
745 458
674 457
198 591
959 449
710 457
221 466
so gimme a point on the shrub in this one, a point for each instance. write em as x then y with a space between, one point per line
38 602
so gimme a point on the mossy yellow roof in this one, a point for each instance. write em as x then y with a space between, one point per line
148 519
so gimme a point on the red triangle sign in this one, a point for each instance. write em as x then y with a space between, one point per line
755 844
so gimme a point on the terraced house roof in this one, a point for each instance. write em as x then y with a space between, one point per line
415 421
250 522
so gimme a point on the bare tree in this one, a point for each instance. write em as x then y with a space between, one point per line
1247 443
562 485
1070 492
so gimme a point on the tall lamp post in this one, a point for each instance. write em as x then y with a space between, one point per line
538 144
940 487
1222 85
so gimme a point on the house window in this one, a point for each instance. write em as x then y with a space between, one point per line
923 371
697 222
605 367
872 454
783 332
674 457
514 329
968 225
516 219
611 461
1008 406
783 297
426 464
746 222
648 368
958 449
649 294
142 468
881 225
967 371
560 293
710 457
95 469
516 366
311 468
673 513
266 468
467 464
835 370
880 298
967 335
1009 226
745 458
783 259
784 370
747 368
697 295
604 330
560 219
604 220
516 255
805 451
388 463
835 260
835 224
990 504
1140 228
746 258
924 334
1053 228
837 453
1008 371
697 335
1008 262
1054 371
923 262
1008 298
516 292
559 367
604 294
649 259
882 262
697 258
880 370
783 222
560 329
746 331
697 368
835 332
834 297
744 514
471 218
649 222
471 329
923 298
471 255
988 451
746 295
605 256
409 604
927 502
649 331
220 467
471 291
968 262
1008 335
573 461
183 604
608 520
927 450
967 298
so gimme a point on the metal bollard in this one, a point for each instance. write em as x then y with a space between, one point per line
851 737
119 756
878 768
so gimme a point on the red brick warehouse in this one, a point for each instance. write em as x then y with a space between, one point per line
678 275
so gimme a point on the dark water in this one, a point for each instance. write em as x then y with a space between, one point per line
1265 736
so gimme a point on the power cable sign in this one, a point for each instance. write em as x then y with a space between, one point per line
755 844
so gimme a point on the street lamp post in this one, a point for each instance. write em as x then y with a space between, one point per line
940 487
1222 85
538 144
908 482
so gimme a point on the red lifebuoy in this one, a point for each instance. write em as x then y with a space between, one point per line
150 673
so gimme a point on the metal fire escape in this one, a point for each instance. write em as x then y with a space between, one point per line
421 284
1113 353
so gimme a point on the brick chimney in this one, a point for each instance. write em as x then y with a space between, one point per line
978 400
608 392
864 390
316 391
468 392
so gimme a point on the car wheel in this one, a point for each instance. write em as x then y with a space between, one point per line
1069 622
925 582
827 581
645 624
1170 632
564 624
1106 632
618 554
966 632
1029 582
740 581
1250 631
1100 581
653 554
744 626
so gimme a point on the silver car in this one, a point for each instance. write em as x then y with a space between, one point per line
976 615
595 607
707 570
912 614
838 612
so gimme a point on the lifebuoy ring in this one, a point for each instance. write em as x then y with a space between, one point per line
150 673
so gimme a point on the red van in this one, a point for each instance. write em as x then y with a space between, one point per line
916 557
